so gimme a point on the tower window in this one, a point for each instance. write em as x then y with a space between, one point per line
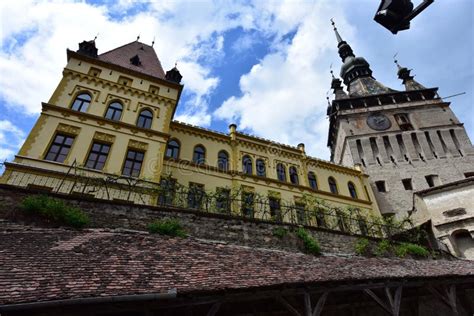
281 172
332 185
60 147
98 156
294 175
81 103
133 163
352 190
223 160
172 149
114 111
407 184
247 164
261 169
144 119
403 121
432 180
199 155
381 186
313 184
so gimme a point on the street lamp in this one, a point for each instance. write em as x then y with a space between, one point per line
395 15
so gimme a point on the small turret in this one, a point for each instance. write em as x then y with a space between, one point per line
174 75
407 79
88 48
336 85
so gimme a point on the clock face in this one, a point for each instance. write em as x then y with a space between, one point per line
378 121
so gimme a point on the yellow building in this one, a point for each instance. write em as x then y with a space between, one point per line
108 132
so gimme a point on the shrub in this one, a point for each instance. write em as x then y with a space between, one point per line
407 248
55 210
383 248
310 244
362 246
280 232
169 227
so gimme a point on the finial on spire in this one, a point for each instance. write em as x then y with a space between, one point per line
396 61
176 64
96 37
338 37
138 37
153 42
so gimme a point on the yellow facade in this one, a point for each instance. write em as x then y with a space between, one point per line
106 83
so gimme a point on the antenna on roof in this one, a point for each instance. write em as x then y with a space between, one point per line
153 43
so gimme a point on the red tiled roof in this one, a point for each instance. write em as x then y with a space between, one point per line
38 264
150 64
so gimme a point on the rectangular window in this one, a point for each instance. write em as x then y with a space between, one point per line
98 156
223 200
432 180
381 186
125 81
407 184
167 191
248 199
94 72
195 195
154 89
275 208
300 213
60 147
133 163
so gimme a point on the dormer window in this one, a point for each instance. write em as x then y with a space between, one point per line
135 60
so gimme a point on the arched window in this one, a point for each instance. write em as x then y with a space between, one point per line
199 155
223 160
172 149
352 190
144 119
247 164
294 175
313 184
114 111
332 185
281 172
81 103
261 169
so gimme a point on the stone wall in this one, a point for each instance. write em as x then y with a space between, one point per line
218 227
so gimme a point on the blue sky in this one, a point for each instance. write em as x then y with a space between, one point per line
263 65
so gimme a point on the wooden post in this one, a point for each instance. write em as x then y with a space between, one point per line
290 308
447 294
214 308
392 306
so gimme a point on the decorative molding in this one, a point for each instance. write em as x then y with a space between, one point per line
78 88
68 129
137 145
104 137
33 135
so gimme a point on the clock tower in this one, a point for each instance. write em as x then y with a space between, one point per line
406 141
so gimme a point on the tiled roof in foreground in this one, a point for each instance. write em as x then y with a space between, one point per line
38 264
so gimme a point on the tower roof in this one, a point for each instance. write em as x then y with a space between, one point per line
135 56
356 72
407 79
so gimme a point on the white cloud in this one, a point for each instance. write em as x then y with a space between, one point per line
11 139
288 87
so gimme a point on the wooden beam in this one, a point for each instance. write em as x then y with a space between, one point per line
307 304
288 306
214 308
378 301
319 306
447 294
